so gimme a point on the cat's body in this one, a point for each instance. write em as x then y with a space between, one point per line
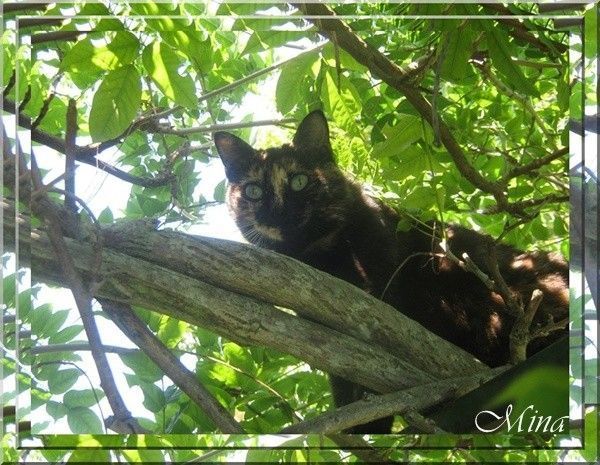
294 200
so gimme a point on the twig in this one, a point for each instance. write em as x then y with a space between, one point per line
124 421
164 129
239 82
549 328
138 332
78 346
520 334
536 164
397 270
523 204
468 265
86 154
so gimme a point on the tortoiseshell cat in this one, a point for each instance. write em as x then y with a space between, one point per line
295 200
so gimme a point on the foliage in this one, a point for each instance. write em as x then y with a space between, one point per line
505 100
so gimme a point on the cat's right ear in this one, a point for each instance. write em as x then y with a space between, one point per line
235 154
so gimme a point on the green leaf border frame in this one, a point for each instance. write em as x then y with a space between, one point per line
83 446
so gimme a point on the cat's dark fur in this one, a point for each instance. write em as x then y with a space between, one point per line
332 225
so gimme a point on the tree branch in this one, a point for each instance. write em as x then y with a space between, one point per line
521 32
247 320
138 332
536 164
394 76
167 129
380 406
123 421
70 145
85 154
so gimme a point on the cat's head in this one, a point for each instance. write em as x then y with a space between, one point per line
289 197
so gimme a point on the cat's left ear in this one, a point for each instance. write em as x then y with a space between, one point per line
312 137
235 154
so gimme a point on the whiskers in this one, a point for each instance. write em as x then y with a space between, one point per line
253 236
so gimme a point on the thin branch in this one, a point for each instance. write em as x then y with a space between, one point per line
549 328
523 204
235 84
138 333
536 164
165 129
79 346
124 422
62 36
374 407
86 154
520 333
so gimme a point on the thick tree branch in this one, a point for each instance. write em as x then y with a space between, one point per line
251 321
292 284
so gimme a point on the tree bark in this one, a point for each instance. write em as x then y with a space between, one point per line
231 289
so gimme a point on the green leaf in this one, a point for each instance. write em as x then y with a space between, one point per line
171 330
53 323
62 380
55 409
343 103
84 55
263 40
458 51
403 134
115 103
290 82
85 398
163 66
142 366
501 56
219 193
106 216
65 335
82 420
198 51
151 206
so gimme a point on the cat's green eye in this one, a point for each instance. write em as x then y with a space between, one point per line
298 182
253 191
